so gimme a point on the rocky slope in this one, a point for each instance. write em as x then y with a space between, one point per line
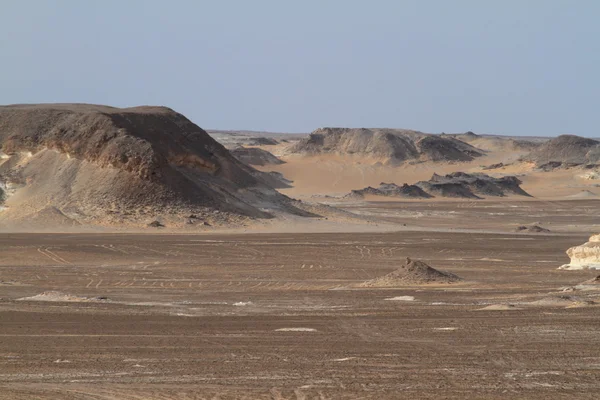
390 146
106 164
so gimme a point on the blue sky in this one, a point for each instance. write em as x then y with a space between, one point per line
507 67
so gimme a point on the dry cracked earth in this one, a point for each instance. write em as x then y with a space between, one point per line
278 316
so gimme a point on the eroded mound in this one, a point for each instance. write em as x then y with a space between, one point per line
566 149
413 272
391 146
100 163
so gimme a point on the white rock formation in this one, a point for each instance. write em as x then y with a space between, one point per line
586 256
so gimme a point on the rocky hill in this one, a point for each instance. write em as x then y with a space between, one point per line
566 149
106 164
391 146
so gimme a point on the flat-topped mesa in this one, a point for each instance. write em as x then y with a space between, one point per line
391 146
586 256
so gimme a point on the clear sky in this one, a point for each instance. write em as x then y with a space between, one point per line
526 67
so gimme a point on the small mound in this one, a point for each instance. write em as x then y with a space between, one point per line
584 194
61 297
412 273
531 229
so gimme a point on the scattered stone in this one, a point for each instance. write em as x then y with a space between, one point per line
156 224
531 229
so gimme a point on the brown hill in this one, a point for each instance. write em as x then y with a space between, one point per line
391 146
94 162
413 272
566 149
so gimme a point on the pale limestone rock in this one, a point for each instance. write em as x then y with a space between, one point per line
586 256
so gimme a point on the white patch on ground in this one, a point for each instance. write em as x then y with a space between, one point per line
242 303
295 330
449 328
59 296
499 307
401 298
578 267
343 359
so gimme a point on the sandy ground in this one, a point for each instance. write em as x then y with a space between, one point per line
334 175
278 315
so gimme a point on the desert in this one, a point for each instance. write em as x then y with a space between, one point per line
310 200
315 289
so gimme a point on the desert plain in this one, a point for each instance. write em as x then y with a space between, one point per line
101 301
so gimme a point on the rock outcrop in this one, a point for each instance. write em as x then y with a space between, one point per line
586 256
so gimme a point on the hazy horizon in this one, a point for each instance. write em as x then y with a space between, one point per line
508 68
